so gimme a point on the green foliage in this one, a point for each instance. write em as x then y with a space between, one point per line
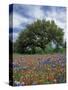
49 48
36 37
39 50
17 76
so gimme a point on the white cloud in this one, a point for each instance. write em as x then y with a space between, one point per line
35 12
59 18
18 20
15 35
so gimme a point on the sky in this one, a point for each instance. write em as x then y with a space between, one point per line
21 15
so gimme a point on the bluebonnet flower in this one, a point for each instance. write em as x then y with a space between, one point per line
17 83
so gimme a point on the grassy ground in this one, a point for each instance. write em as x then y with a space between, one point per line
39 69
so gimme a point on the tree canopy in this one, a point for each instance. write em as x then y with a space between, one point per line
38 35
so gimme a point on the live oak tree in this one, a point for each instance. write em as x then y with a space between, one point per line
39 34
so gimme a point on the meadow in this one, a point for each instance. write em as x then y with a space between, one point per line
39 69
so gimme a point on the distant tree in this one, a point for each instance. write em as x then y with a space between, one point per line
39 34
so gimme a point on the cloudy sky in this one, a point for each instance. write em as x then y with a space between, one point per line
26 14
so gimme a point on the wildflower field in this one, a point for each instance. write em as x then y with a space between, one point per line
39 69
